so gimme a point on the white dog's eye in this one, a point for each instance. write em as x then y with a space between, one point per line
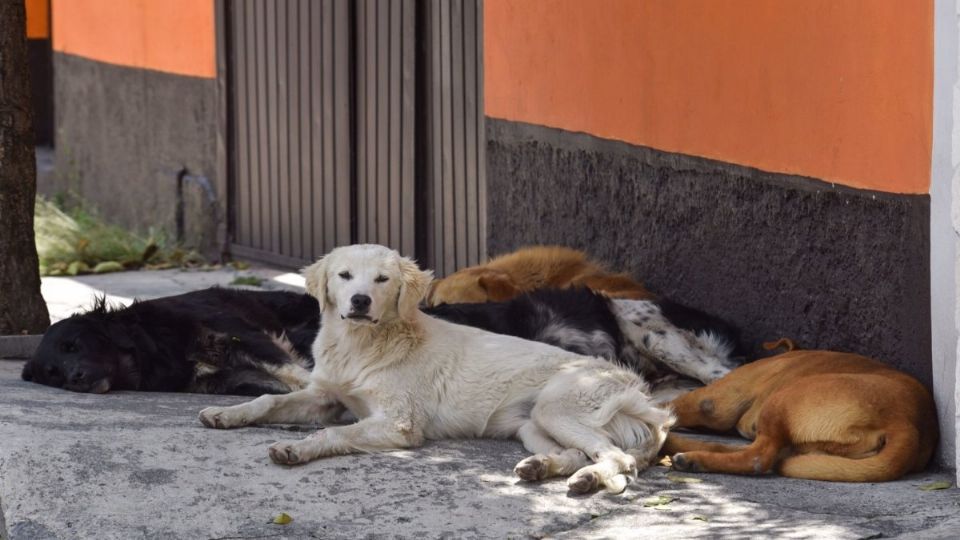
345 275
381 279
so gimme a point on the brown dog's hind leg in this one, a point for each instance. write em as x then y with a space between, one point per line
757 458
676 443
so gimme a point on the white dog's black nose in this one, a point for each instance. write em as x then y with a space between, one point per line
360 303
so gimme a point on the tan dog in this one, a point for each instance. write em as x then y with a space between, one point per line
819 415
532 268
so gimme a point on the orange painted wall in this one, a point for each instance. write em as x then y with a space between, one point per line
174 36
839 90
38 19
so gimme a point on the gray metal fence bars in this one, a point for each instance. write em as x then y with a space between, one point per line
355 121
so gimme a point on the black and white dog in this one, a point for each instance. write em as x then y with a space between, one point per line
224 341
656 338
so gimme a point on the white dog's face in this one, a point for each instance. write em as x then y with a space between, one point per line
366 284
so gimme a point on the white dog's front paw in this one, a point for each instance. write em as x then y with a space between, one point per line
288 453
221 418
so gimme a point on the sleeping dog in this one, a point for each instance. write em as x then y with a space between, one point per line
529 269
410 377
215 341
820 415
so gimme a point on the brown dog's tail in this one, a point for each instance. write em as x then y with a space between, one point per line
786 344
896 458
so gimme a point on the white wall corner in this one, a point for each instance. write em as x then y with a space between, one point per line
945 225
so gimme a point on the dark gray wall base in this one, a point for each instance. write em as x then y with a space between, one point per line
19 347
122 135
780 256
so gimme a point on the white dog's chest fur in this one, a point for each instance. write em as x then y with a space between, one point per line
452 381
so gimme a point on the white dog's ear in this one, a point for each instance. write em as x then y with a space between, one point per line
316 277
414 283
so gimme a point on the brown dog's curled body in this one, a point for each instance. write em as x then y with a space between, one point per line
819 415
532 268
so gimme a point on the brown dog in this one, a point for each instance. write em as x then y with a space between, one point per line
532 268
819 415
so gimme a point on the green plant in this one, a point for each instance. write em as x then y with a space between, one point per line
75 240
247 280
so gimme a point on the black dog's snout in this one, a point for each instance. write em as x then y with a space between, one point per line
360 303
78 376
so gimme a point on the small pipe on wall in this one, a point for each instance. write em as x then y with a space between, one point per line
183 177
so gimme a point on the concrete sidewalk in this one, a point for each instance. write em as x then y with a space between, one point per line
68 295
140 465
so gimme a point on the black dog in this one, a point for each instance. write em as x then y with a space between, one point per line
216 341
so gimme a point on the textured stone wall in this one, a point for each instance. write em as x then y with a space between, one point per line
779 256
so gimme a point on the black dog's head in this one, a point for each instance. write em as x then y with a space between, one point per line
85 353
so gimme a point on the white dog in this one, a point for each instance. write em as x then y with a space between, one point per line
409 377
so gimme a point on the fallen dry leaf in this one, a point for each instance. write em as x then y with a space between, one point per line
659 500
676 478
282 518
934 486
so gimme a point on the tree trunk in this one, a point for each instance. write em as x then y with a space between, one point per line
22 309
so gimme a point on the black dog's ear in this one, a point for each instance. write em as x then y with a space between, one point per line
120 336
27 373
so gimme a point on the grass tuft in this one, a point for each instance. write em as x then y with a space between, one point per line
77 241
253 281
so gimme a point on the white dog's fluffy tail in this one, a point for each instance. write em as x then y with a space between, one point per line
636 424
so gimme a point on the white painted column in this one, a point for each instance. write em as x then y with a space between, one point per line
945 224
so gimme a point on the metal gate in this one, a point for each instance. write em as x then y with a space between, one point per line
454 136
290 177
386 194
355 121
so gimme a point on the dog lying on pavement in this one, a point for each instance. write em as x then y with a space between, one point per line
410 377
819 415
215 341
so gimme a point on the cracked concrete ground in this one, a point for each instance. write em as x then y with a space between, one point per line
140 465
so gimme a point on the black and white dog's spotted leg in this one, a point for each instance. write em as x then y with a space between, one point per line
704 357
